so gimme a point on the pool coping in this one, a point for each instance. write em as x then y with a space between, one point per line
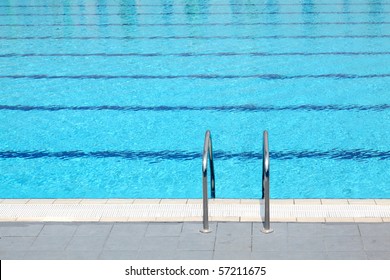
184 210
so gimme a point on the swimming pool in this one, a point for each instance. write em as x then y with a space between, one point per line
111 98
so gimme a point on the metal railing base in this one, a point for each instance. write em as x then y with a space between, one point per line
205 230
266 231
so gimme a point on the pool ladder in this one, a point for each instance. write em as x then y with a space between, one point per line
265 185
208 154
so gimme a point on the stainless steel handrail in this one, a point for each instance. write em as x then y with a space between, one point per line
207 153
265 185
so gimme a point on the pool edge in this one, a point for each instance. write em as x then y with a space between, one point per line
187 210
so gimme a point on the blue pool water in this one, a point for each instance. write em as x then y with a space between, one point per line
111 98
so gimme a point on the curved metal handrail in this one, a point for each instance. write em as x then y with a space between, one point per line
207 153
265 184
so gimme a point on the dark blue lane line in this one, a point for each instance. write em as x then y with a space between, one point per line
199 24
194 37
199 76
190 54
200 5
195 13
354 154
233 108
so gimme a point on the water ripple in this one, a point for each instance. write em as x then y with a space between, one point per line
232 108
199 76
156 156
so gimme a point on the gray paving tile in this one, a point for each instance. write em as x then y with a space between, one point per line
330 229
86 243
195 227
269 255
304 229
269 242
164 229
232 255
50 243
122 243
58 230
20 243
376 243
62 255
343 243
157 255
193 255
94 230
305 255
307 243
158 243
374 229
337 255
12 255
20 229
234 229
183 241
129 229
378 255
45 255
308 255
197 242
118 255
82 255
233 243
279 229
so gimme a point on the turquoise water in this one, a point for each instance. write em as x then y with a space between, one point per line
111 99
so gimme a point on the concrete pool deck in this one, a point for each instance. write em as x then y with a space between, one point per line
190 210
169 229
183 241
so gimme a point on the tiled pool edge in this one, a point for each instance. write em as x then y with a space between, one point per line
182 210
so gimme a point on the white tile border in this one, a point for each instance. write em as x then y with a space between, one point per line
245 210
